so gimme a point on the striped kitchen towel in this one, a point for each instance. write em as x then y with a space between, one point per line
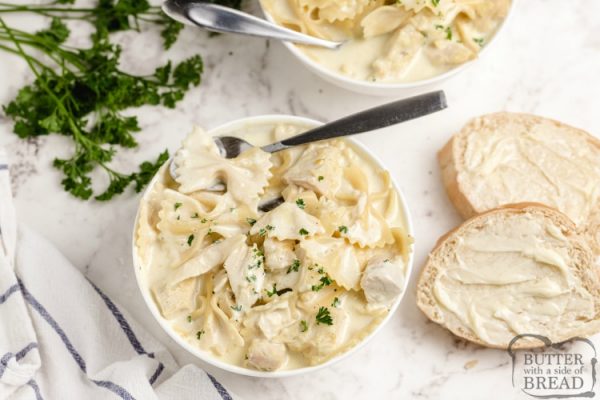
61 337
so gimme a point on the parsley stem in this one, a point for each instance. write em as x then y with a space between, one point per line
59 104
37 62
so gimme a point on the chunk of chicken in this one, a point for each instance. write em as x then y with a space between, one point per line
266 356
279 254
383 281
175 298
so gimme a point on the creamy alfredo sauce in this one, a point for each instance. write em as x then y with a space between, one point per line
279 290
390 41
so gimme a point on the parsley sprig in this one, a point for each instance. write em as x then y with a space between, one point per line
81 92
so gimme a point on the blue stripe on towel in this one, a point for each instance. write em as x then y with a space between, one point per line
122 321
20 354
3 167
26 350
222 391
14 288
157 373
36 389
76 356
135 343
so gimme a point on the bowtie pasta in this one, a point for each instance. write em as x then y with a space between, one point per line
391 40
284 289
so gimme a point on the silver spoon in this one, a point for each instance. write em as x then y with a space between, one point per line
361 122
216 18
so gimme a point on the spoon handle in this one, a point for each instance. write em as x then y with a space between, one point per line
369 120
214 17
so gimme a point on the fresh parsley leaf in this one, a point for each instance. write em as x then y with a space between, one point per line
343 229
325 281
273 292
336 303
303 326
250 221
294 267
300 203
324 316
190 239
199 334
303 232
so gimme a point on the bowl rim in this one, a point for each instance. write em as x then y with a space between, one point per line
364 84
208 357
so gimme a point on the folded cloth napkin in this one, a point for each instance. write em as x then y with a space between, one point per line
61 337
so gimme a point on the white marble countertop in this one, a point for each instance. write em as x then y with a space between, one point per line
547 62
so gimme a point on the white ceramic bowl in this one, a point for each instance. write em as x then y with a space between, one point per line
208 357
384 89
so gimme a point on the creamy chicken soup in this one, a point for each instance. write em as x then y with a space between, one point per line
390 40
274 290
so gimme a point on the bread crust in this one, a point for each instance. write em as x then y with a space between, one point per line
588 275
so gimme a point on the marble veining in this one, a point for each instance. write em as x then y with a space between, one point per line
546 62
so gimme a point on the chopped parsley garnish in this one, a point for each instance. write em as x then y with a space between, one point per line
258 253
343 229
303 232
189 319
300 203
203 220
294 266
272 292
325 281
324 317
190 239
237 308
303 326
270 227
251 278
250 221
320 178
448 33
199 334
262 231
479 41
195 215
435 2
336 303
177 205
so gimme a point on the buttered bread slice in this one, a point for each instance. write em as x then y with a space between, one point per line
507 158
514 270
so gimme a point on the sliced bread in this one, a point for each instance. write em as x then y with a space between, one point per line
517 269
509 158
